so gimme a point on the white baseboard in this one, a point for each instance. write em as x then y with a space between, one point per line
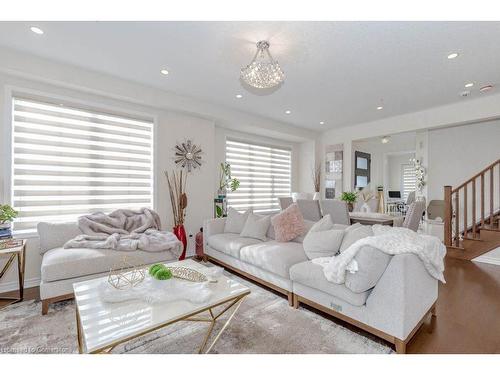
489 260
13 285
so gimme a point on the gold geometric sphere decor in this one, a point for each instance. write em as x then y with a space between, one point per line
127 273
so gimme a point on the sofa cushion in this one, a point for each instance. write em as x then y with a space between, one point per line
273 256
230 243
354 233
61 263
256 226
322 240
311 275
270 231
54 235
235 221
308 225
288 224
371 266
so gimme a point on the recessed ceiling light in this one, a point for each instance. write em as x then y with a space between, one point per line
164 72
322 123
452 56
239 96
470 84
385 140
36 30
379 108
486 88
288 111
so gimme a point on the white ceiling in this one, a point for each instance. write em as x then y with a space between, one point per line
337 72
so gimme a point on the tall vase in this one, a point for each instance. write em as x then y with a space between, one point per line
180 233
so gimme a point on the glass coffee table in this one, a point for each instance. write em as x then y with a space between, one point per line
101 326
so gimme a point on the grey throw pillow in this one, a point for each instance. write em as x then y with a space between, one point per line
235 221
256 226
270 231
322 240
354 233
371 266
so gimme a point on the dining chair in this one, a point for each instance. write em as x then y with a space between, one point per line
414 215
337 209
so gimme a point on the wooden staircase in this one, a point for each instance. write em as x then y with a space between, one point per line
472 216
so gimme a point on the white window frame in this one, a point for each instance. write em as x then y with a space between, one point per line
264 143
74 97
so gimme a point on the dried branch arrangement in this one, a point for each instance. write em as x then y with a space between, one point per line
178 197
316 176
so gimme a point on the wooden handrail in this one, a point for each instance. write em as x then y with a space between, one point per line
452 214
491 166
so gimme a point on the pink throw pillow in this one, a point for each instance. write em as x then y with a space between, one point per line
288 224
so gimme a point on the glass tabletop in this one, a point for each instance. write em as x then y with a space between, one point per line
104 324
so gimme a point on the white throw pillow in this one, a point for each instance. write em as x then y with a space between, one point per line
322 240
256 226
235 221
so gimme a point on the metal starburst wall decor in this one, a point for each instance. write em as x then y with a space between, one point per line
188 155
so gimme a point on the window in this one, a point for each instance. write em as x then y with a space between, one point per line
69 161
362 169
264 173
409 181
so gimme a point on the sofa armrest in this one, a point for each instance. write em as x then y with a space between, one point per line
54 235
213 226
402 296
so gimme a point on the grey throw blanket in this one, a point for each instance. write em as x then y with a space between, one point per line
125 230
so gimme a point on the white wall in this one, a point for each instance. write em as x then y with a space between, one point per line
394 166
306 163
378 150
178 118
468 111
458 153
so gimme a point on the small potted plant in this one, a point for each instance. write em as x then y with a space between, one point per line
349 197
7 215
226 181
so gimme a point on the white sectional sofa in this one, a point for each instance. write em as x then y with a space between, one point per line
393 309
62 267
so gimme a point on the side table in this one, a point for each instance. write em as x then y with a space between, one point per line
18 252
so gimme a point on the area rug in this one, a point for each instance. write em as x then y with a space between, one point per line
263 324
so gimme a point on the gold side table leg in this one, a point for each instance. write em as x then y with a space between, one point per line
20 274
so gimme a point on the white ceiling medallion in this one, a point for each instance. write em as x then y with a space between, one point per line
263 72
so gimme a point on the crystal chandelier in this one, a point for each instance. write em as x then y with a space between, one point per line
263 72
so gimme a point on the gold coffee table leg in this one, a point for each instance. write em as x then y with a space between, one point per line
237 304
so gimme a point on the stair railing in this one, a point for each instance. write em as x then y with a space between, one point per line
455 214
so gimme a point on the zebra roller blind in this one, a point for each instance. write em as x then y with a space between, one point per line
69 161
409 179
265 173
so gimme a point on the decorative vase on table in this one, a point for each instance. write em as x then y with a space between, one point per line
180 233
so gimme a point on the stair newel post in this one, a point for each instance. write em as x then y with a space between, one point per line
447 215
491 196
474 234
482 200
466 228
457 218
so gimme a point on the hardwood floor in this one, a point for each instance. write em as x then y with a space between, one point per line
468 312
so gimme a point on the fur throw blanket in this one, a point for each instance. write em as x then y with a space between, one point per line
124 230
391 241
